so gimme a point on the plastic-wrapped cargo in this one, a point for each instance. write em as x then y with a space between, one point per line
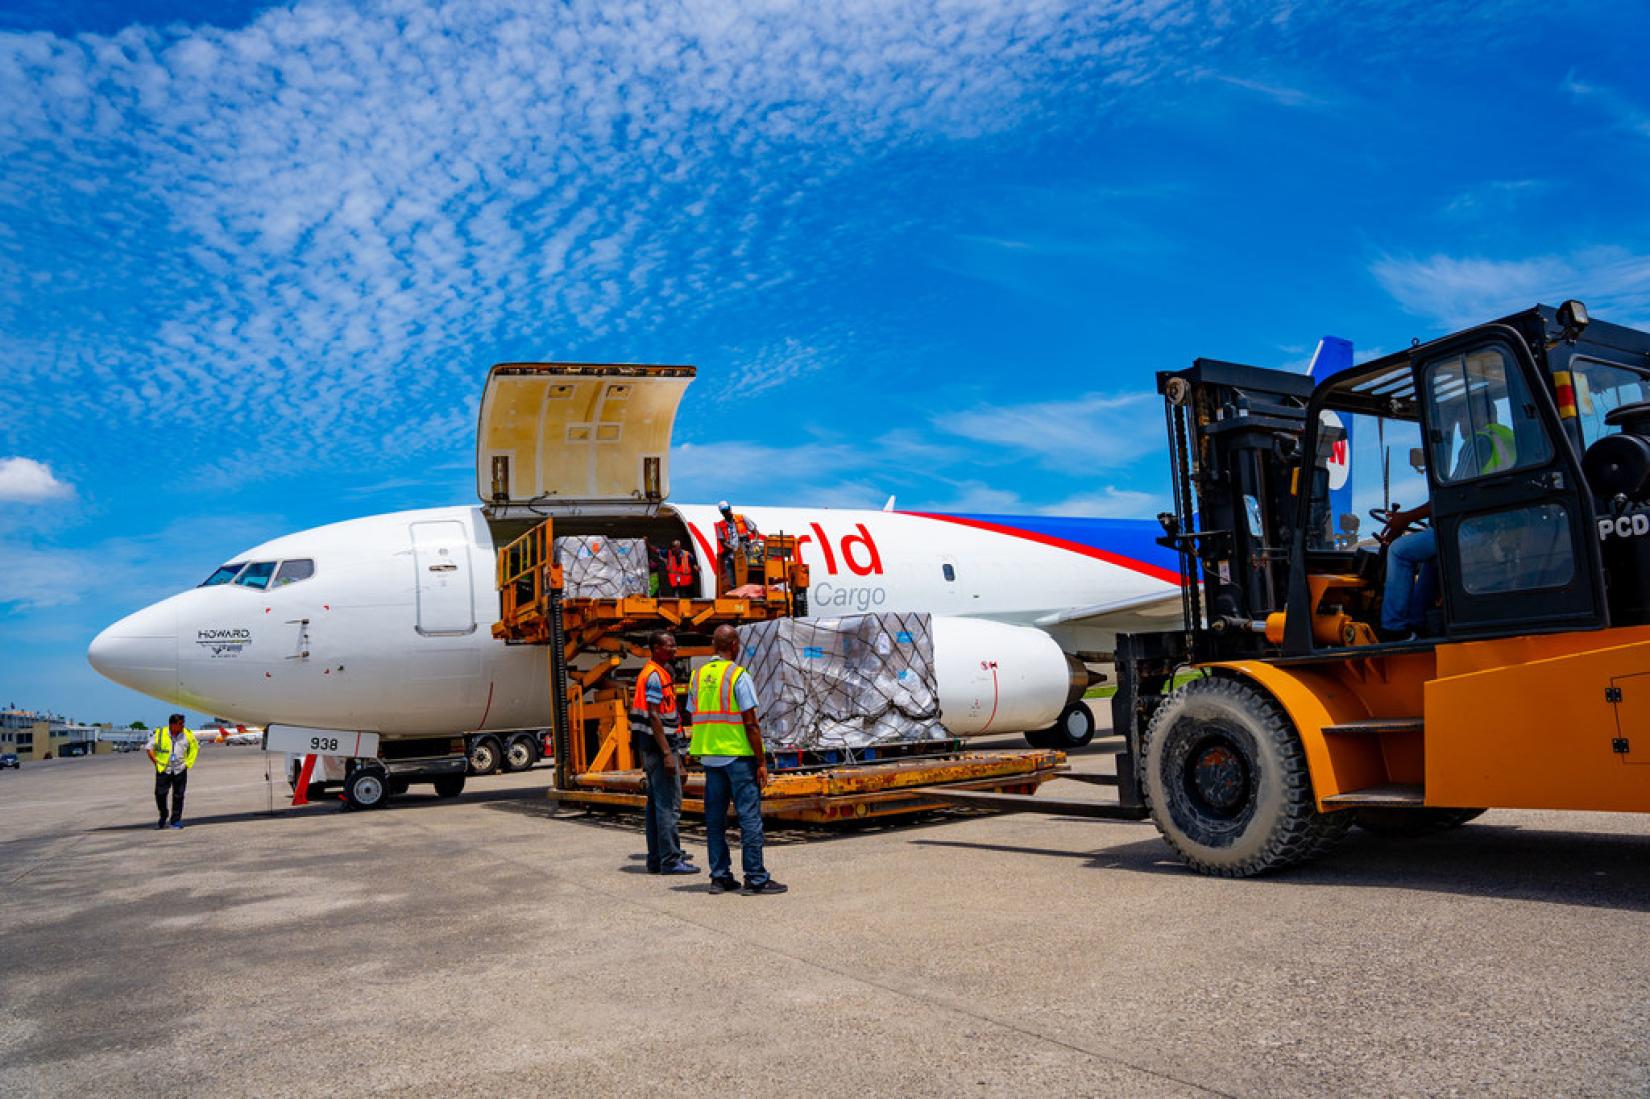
597 567
850 682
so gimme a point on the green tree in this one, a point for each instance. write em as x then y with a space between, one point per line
138 725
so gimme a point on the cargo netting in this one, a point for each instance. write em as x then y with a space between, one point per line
851 682
596 567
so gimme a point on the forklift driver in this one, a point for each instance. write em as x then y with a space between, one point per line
1412 559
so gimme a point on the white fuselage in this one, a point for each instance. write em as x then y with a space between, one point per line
391 631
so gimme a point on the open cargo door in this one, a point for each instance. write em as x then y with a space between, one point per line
576 438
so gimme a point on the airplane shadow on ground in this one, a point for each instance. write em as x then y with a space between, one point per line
774 833
1587 869
411 801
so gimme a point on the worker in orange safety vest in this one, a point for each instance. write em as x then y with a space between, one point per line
678 572
734 534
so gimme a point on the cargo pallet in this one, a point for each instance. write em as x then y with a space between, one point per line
587 641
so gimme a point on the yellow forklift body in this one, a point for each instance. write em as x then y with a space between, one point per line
1542 721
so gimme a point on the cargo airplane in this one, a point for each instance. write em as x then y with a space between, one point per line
383 623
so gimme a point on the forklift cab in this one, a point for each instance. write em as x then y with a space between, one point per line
1477 417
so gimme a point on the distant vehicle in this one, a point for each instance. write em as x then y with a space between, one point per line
10 760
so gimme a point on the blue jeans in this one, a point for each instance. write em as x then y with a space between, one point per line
664 809
1411 581
735 783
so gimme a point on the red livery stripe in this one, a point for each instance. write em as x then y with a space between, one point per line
1168 576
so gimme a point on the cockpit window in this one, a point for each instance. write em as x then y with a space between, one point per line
291 572
257 575
224 575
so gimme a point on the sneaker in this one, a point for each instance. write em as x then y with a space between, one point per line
769 886
177 824
162 823
681 868
724 885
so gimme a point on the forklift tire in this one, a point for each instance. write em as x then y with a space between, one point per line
519 755
1224 774
485 756
449 786
1410 823
366 788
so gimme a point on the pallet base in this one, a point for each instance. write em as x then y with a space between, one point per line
848 793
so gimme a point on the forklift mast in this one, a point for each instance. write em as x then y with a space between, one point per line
1234 442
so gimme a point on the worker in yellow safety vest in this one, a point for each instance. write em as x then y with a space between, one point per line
727 742
656 733
172 761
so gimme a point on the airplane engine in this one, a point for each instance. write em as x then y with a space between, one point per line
997 678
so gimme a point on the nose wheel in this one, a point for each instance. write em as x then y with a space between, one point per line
1074 729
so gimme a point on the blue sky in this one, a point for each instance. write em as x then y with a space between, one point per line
252 271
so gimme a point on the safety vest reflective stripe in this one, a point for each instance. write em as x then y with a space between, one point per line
718 727
163 749
1503 447
668 715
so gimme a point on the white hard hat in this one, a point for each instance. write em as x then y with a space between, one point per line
722 505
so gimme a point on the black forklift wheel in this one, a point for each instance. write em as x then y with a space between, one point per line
1225 776
1410 823
449 786
485 756
519 756
366 788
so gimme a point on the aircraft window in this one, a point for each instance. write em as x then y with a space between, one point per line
223 575
950 573
291 572
256 575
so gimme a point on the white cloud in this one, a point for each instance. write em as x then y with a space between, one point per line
1094 429
28 481
1109 502
1456 292
322 211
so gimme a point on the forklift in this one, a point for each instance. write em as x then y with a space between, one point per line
1490 649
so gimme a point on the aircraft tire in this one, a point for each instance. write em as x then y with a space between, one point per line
449 786
1075 727
1225 777
486 755
519 755
366 788
1411 823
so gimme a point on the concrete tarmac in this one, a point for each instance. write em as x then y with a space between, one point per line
482 946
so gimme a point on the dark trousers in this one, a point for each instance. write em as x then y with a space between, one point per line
176 784
664 809
735 783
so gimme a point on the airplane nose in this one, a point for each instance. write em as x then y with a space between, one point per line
140 651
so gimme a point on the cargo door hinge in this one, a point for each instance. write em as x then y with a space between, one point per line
1612 694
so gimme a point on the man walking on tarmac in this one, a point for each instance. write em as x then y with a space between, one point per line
172 761
656 728
727 741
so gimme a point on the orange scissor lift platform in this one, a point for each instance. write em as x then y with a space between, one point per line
587 641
